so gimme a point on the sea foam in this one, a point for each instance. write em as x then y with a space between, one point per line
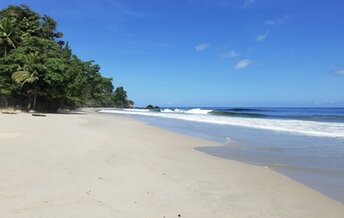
191 111
311 128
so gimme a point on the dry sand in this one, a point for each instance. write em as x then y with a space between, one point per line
110 166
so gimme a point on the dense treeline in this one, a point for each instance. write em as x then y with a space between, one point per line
39 71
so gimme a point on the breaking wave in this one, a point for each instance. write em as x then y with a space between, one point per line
304 127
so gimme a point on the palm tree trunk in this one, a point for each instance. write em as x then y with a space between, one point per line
5 52
29 102
35 97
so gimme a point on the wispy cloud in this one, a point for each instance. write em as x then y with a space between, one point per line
243 64
261 37
338 71
278 21
202 46
125 9
229 54
249 2
118 30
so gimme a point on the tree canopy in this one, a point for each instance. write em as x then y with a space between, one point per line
38 70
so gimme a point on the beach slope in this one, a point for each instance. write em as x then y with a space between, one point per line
111 166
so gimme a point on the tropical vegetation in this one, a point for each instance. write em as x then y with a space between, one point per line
38 69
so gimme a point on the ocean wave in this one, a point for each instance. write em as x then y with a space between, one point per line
334 118
190 111
246 109
137 110
237 114
311 128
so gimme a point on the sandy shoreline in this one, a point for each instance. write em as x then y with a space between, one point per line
110 166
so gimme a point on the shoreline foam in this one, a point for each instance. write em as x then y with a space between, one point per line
311 128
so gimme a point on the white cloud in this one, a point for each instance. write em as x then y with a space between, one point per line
202 46
249 2
277 21
338 71
243 64
229 54
262 37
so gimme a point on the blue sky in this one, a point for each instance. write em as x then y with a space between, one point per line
210 52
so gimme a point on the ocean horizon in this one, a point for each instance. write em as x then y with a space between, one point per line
303 143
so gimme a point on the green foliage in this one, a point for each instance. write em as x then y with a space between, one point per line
28 73
24 76
36 65
8 35
121 99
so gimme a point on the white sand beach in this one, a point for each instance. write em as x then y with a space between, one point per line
106 166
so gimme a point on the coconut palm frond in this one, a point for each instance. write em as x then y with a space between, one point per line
20 76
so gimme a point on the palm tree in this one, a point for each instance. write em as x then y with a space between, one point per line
28 74
8 35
